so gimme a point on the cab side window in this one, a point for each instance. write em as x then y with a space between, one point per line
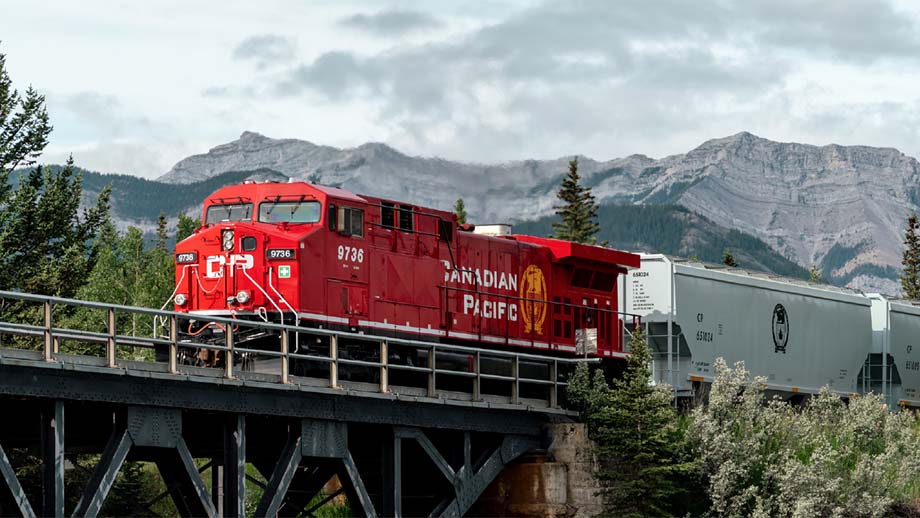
350 221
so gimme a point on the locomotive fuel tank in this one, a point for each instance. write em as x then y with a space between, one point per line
800 337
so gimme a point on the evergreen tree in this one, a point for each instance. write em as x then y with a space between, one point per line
24 127
728 259
644 462
578 213
46 244
814 275
910 262
186 227
460 211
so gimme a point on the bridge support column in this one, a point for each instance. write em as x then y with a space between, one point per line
52 434
234 468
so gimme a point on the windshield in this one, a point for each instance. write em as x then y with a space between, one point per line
229 212
289 212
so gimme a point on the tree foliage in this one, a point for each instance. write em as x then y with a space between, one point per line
578 213
460 211
643 457
910 261
814 275
45 237
24 126
728 259
828 458
186 226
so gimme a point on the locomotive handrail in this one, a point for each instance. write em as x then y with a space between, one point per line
111 339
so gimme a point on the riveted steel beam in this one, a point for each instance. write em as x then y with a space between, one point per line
99 484
470 486
14 487
280 481
234 478
356 491
52 435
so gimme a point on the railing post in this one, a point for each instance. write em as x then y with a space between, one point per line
384 357
110 358
516 374
285 361
334 364
49 339
432 373
228 354
554 389
477 381
173 344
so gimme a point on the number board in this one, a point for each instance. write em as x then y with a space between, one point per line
280 253
187 257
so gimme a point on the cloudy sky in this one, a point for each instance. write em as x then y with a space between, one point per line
133 87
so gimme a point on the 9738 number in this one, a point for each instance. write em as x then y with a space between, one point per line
350 253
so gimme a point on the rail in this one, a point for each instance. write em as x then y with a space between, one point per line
490 376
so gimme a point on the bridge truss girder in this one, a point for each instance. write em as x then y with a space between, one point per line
310 453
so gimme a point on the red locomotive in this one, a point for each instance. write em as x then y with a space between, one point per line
309 255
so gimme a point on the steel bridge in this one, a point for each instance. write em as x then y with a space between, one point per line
79 378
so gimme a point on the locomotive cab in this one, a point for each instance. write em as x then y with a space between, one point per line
247 258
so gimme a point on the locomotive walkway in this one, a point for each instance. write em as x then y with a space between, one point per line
402 439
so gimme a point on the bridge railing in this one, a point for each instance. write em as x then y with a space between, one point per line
441 371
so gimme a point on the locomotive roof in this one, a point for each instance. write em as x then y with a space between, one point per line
567 251
261 190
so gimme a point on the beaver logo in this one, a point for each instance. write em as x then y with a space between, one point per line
780 329
533 299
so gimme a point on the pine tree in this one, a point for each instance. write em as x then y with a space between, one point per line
814 275
642 452
24 127
45 242
578 213
728 259
460 211
910 262
186 227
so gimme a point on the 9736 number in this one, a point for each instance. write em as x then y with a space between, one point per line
350 253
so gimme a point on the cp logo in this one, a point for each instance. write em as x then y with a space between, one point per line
214 265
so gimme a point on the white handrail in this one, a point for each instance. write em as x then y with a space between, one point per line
281 297
257 285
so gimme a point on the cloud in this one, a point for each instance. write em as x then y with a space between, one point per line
103 134
391 23
265 50
554 78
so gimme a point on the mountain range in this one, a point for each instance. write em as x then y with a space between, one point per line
839 207
780 207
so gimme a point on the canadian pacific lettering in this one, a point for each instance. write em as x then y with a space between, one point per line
483 304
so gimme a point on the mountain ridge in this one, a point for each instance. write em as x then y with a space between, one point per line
802 199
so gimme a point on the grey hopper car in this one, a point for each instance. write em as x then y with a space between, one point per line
895 365
800 337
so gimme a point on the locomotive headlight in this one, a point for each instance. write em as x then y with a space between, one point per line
227 239
242 297
181 299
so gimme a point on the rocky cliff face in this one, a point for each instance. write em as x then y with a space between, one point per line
840 207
